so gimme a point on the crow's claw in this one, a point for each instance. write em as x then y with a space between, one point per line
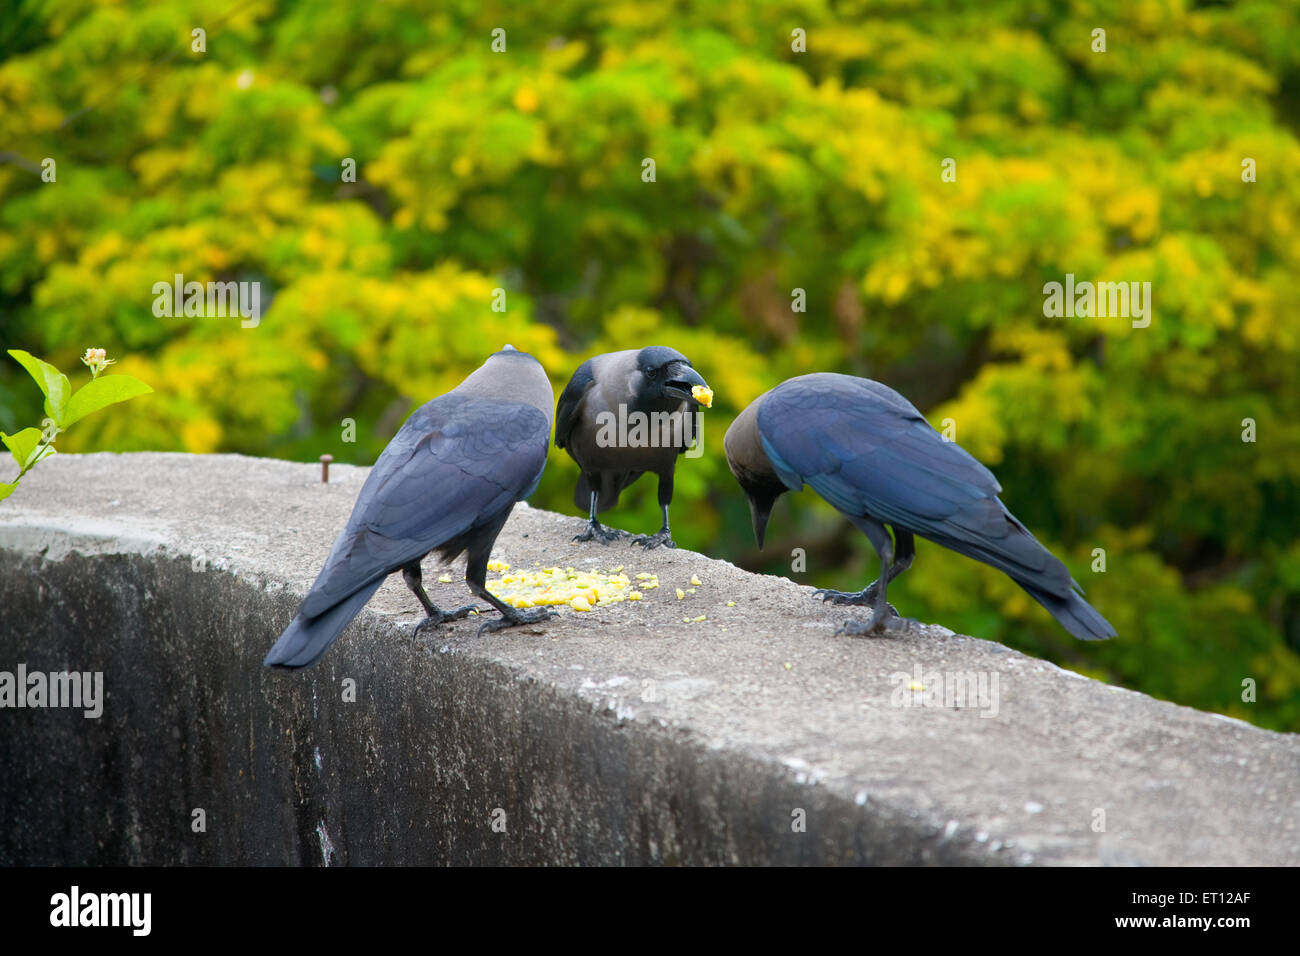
649 541
442 617
891 623
866 596
532 615
600 533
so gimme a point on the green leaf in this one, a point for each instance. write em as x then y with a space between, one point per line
100 393
53 383
22 445
7 489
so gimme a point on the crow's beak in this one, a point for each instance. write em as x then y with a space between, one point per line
760 515
681 379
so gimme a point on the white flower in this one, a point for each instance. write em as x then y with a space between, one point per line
96 360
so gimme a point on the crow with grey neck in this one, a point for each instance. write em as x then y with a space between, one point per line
868 451
446 483
650 391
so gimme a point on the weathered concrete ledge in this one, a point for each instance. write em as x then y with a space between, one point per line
622 735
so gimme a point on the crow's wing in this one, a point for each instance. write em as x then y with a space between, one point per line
456 463
868 451
568 407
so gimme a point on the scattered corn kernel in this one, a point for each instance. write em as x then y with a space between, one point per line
566 586
702 617
445 578
695 580
680 594
731 604
703 394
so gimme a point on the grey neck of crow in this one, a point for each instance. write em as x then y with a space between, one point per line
752 468
511 376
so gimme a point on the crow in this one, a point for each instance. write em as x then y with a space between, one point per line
447 482
868 451
621 415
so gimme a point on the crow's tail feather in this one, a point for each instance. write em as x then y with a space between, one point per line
1074 613
306 639
1017 555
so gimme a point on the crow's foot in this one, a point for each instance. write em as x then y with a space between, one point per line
433 620
890 623
866 596
532 615
649 541
597 532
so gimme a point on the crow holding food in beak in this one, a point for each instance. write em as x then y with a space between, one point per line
624 414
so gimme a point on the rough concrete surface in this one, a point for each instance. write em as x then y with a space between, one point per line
622 735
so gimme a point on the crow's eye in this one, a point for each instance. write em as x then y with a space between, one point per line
652 373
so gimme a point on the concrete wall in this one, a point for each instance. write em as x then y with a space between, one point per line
619 736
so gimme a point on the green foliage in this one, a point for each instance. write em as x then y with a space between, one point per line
100 393
54 384
776 170
63 407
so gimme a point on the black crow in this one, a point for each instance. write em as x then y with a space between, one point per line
621 415
871 454
447 482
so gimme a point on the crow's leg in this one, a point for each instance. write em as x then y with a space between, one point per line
595 530
904 552
884 617
663 535
476 578
411 575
